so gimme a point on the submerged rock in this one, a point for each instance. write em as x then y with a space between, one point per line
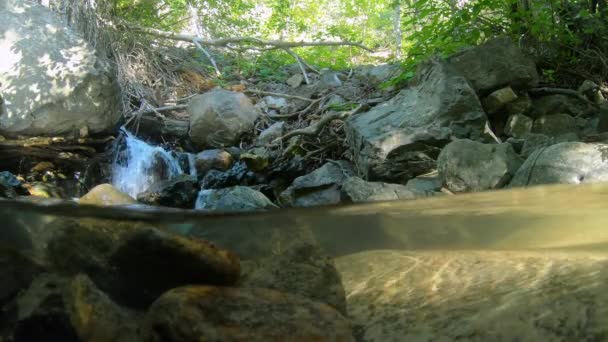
179 192
238 174
220 117
466 165
106 194
238 198
52 81
18 271
475 296
495 64
62 309
400 139
356 190
320 187
564 163
202 313
303 270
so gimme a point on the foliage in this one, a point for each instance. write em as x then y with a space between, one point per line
560 33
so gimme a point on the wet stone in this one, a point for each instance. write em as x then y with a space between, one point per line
106 194
149 262
18 271
179 192
10 186
303 270
203 313
213 160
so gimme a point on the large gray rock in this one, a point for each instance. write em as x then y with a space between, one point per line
466 165
320 187
555 125
443 295
497 63
401 138
51 81
552 104
356 190
218 118
236 198
566 163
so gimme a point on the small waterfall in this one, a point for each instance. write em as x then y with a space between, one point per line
137 165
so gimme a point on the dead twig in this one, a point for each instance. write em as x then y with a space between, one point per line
268 93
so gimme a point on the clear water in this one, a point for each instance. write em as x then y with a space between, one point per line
521 264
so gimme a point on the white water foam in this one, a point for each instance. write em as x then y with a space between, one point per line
141 165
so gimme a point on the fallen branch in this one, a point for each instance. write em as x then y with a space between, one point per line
267 93
159 109
225 42
300 64
218 73
561 91
315 129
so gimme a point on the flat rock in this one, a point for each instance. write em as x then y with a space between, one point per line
202 313
401 138
475 296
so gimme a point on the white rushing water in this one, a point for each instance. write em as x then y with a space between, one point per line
138 165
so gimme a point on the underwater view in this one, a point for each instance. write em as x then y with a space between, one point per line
527 264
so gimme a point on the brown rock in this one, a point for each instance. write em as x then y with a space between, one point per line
213 159
106 194
94 316
203 313
150 262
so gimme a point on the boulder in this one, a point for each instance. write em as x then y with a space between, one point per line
203 313
496 64
498 99
220 117
51 80
466 165
521 105
320 187
396 295
178 192
518 126
106 194
533 142
271 133
356 190
238 198
305 270
400 139
555 125
564 163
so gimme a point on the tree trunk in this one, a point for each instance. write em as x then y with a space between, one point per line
397 30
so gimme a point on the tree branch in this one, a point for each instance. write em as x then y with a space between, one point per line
224 42
267 93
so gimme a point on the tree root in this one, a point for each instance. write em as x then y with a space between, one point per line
315 129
